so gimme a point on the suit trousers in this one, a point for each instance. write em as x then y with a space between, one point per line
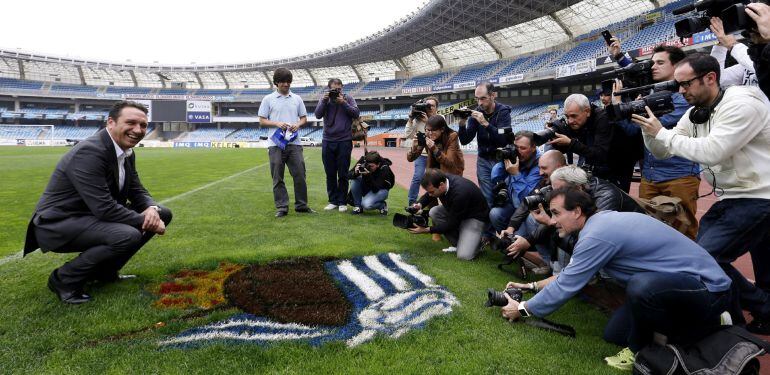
466 237
104 247
293 158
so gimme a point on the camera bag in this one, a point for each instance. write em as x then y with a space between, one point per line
668 210
729 350
359 129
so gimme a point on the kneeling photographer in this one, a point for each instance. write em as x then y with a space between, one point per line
516 174
461 215
672 287
370 182
442 146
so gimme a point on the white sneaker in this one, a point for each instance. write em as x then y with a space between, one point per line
450 249
330 207
343 208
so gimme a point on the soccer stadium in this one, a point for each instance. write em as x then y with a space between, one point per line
230 288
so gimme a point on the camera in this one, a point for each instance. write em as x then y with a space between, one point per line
495 298
731 12
419 109
421 140
558 126
334 94
539 196
659 102
412 220
500 194
508 152
463 112
632 75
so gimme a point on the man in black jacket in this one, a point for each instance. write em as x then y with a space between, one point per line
462 215
96 205
370 182
590 135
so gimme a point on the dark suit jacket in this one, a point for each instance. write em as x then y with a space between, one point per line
84 189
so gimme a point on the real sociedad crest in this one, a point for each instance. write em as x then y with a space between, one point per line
382 295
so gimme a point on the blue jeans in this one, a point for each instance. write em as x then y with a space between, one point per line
731 228
528 229
336 159
419 171
373 200
500 216
673 304
484 175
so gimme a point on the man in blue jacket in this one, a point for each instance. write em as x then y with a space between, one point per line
675 176
483 125
673 287
520 178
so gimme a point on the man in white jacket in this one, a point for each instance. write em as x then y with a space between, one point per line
728 133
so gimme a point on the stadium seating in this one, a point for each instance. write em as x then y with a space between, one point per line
206 134
9 68
51 72
107 77
128 90
73 132
72 89
426 80
245 80
147 79
212 80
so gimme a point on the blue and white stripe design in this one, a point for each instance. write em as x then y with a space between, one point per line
388 295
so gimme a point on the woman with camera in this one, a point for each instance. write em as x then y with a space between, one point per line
442 146
415 126
370 182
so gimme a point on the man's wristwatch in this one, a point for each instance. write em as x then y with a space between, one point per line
523 310
156 208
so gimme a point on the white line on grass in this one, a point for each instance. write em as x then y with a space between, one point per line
20 253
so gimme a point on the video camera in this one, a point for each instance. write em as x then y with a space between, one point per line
633 75
731 12
334 94
539 196
660 101
419 108
412 220
558 126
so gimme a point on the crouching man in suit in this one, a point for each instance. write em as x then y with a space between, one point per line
96 205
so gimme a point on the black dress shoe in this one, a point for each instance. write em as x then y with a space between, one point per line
306 210
65 294
281 214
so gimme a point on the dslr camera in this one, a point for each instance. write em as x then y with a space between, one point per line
463 112
500 194
660 101
509 152
419 109
412 220
539 196
731 12
334 94
421 140
495 298
558 126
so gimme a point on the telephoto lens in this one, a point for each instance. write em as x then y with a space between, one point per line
495 298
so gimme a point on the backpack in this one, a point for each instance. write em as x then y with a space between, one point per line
729 350
668 210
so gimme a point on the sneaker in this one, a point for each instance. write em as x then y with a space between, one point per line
759 326
624 360
356 211
343 208
384 210
330 207
450 249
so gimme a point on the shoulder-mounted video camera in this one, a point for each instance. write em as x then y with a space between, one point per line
420 108
415 218
731 12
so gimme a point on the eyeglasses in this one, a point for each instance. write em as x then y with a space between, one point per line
432 130
686 84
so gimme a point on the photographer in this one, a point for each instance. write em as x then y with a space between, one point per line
741 74
589 134
371 180
461 216
414 126
442 145
338 111
519 178
672 287
675 176
759 49
605 195
483 125
522 223
728 132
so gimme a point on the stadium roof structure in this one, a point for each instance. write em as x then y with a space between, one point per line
439 34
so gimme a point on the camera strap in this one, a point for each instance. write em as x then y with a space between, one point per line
548 325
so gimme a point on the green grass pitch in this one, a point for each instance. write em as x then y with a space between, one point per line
232 220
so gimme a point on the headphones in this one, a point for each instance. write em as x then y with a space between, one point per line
699 115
